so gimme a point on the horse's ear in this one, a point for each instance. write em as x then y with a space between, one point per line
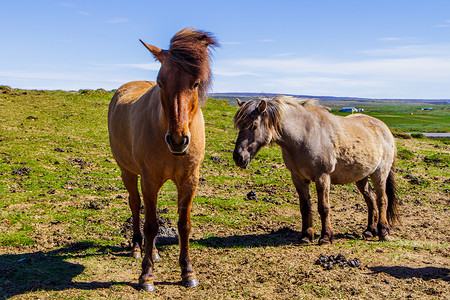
239 102
158 53
262 106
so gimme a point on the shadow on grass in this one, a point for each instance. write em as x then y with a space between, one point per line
22 273
280 237
425 273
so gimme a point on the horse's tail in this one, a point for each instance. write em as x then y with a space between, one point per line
393 215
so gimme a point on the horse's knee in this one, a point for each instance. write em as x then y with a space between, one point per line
324 210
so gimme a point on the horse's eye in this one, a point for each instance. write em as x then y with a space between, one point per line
160 85
196 85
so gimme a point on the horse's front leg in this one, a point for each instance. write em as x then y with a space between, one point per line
323 191
186 190
150 193
302 188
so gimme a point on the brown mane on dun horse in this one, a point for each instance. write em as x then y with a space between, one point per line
156 130
326 149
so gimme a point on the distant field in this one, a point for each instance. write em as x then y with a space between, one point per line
410 118
404 115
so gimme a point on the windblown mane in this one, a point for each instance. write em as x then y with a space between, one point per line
276 108
189 51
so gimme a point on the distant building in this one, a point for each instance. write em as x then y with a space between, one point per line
351 109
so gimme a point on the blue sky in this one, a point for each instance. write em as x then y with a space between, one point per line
355 48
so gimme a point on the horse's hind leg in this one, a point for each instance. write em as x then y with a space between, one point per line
379 184
370 198
134 200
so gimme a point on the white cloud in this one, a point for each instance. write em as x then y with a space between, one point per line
231 43
230 73
418 67
285 54
153 66
398 77
411 50
83 13
66 4
117 20
445 25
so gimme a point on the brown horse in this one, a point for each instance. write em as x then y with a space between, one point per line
326 149
156 130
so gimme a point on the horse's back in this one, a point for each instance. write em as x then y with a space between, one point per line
130 92
120 116
365 145
370 126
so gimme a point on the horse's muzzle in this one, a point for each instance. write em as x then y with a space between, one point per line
239 160
180 147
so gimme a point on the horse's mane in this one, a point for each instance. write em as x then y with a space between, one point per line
189 51
276 108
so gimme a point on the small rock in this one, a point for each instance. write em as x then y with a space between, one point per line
271 201
95 205
21 171
252 195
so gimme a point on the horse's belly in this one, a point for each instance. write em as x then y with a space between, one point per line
348 176
347 172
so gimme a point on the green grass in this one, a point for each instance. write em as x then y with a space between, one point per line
410 118
59 182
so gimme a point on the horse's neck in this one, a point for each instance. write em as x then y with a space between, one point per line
299 125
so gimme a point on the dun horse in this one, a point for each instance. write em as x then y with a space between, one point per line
326 149
156 130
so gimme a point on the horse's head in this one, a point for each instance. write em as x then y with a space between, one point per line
255 130
183 79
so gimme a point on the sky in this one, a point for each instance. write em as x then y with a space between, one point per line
390 49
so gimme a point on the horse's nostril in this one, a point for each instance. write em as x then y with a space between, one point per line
169 139
186 140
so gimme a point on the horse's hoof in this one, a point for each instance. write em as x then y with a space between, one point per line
367 234
147 286
155 256
189 282
385 238
136 254
305 241
324 241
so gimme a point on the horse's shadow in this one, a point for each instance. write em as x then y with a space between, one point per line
426 273
282 236
22 273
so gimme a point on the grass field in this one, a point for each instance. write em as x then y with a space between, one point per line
65 230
